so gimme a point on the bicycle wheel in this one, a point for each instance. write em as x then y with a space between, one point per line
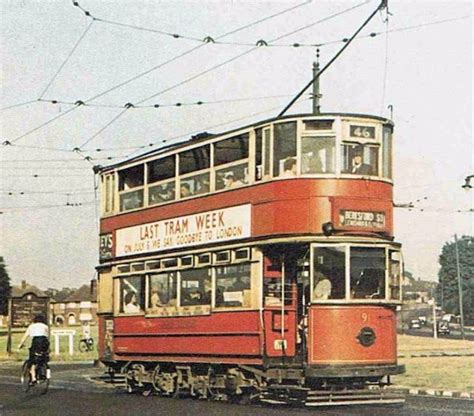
25 376
83 347
43 377
90 344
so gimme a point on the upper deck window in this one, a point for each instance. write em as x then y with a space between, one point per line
163 171
129 180
318 154
360 159
387 152
284 149
231 149
194 159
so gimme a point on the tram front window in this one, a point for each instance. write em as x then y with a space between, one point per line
359 159
367 273
328 273
318 155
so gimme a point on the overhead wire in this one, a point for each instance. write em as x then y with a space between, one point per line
240 55
18 105
130 105
66 60
385 69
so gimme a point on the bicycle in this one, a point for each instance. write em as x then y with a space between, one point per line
86 344
43 373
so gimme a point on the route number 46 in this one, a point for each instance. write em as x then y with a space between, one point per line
363 132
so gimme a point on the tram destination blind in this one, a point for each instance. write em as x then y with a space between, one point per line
363 219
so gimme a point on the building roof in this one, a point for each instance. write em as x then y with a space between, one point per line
19 291
83 294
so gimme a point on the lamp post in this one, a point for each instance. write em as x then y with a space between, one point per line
432 302
458 272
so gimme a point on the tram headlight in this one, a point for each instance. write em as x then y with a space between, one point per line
328 228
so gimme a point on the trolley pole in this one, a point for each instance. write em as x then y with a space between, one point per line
458 271
316 94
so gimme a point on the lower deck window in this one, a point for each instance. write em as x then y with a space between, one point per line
162 290
233 286
367 273
329 273
196 287
131 294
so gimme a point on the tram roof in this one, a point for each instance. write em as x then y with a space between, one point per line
206 136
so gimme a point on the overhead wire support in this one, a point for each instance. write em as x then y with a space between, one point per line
381 6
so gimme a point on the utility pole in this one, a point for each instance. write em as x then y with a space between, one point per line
458 270
316 95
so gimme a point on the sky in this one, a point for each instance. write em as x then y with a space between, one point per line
50 50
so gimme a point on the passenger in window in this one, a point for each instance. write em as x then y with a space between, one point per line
162 194
131 304
185 190
322 287
231 182
358 166
289 168
203 186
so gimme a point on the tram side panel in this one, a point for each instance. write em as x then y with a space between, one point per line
218 337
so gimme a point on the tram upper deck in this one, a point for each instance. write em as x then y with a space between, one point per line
296 172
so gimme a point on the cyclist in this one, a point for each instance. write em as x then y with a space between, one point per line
38 331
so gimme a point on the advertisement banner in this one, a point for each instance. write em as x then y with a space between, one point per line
206 227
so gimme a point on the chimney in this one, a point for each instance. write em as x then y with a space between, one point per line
23 284
94 290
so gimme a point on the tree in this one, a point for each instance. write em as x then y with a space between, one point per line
448 287
5 288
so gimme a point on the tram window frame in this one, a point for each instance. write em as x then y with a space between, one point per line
132 193
231 176
170 293
169 263
108 193
225 253
123 268
375 295
149 265
349 150
387 153
137 267
197 184
161 193
394 283
201 156
187 259
187 297
122 296
247 252
229 153
318 291
200 262
328 163
285 147
239 294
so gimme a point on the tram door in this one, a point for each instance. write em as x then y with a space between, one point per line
280 305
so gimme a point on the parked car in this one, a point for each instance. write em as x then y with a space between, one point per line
443 327
415 324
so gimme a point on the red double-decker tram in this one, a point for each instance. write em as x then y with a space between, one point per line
259 262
